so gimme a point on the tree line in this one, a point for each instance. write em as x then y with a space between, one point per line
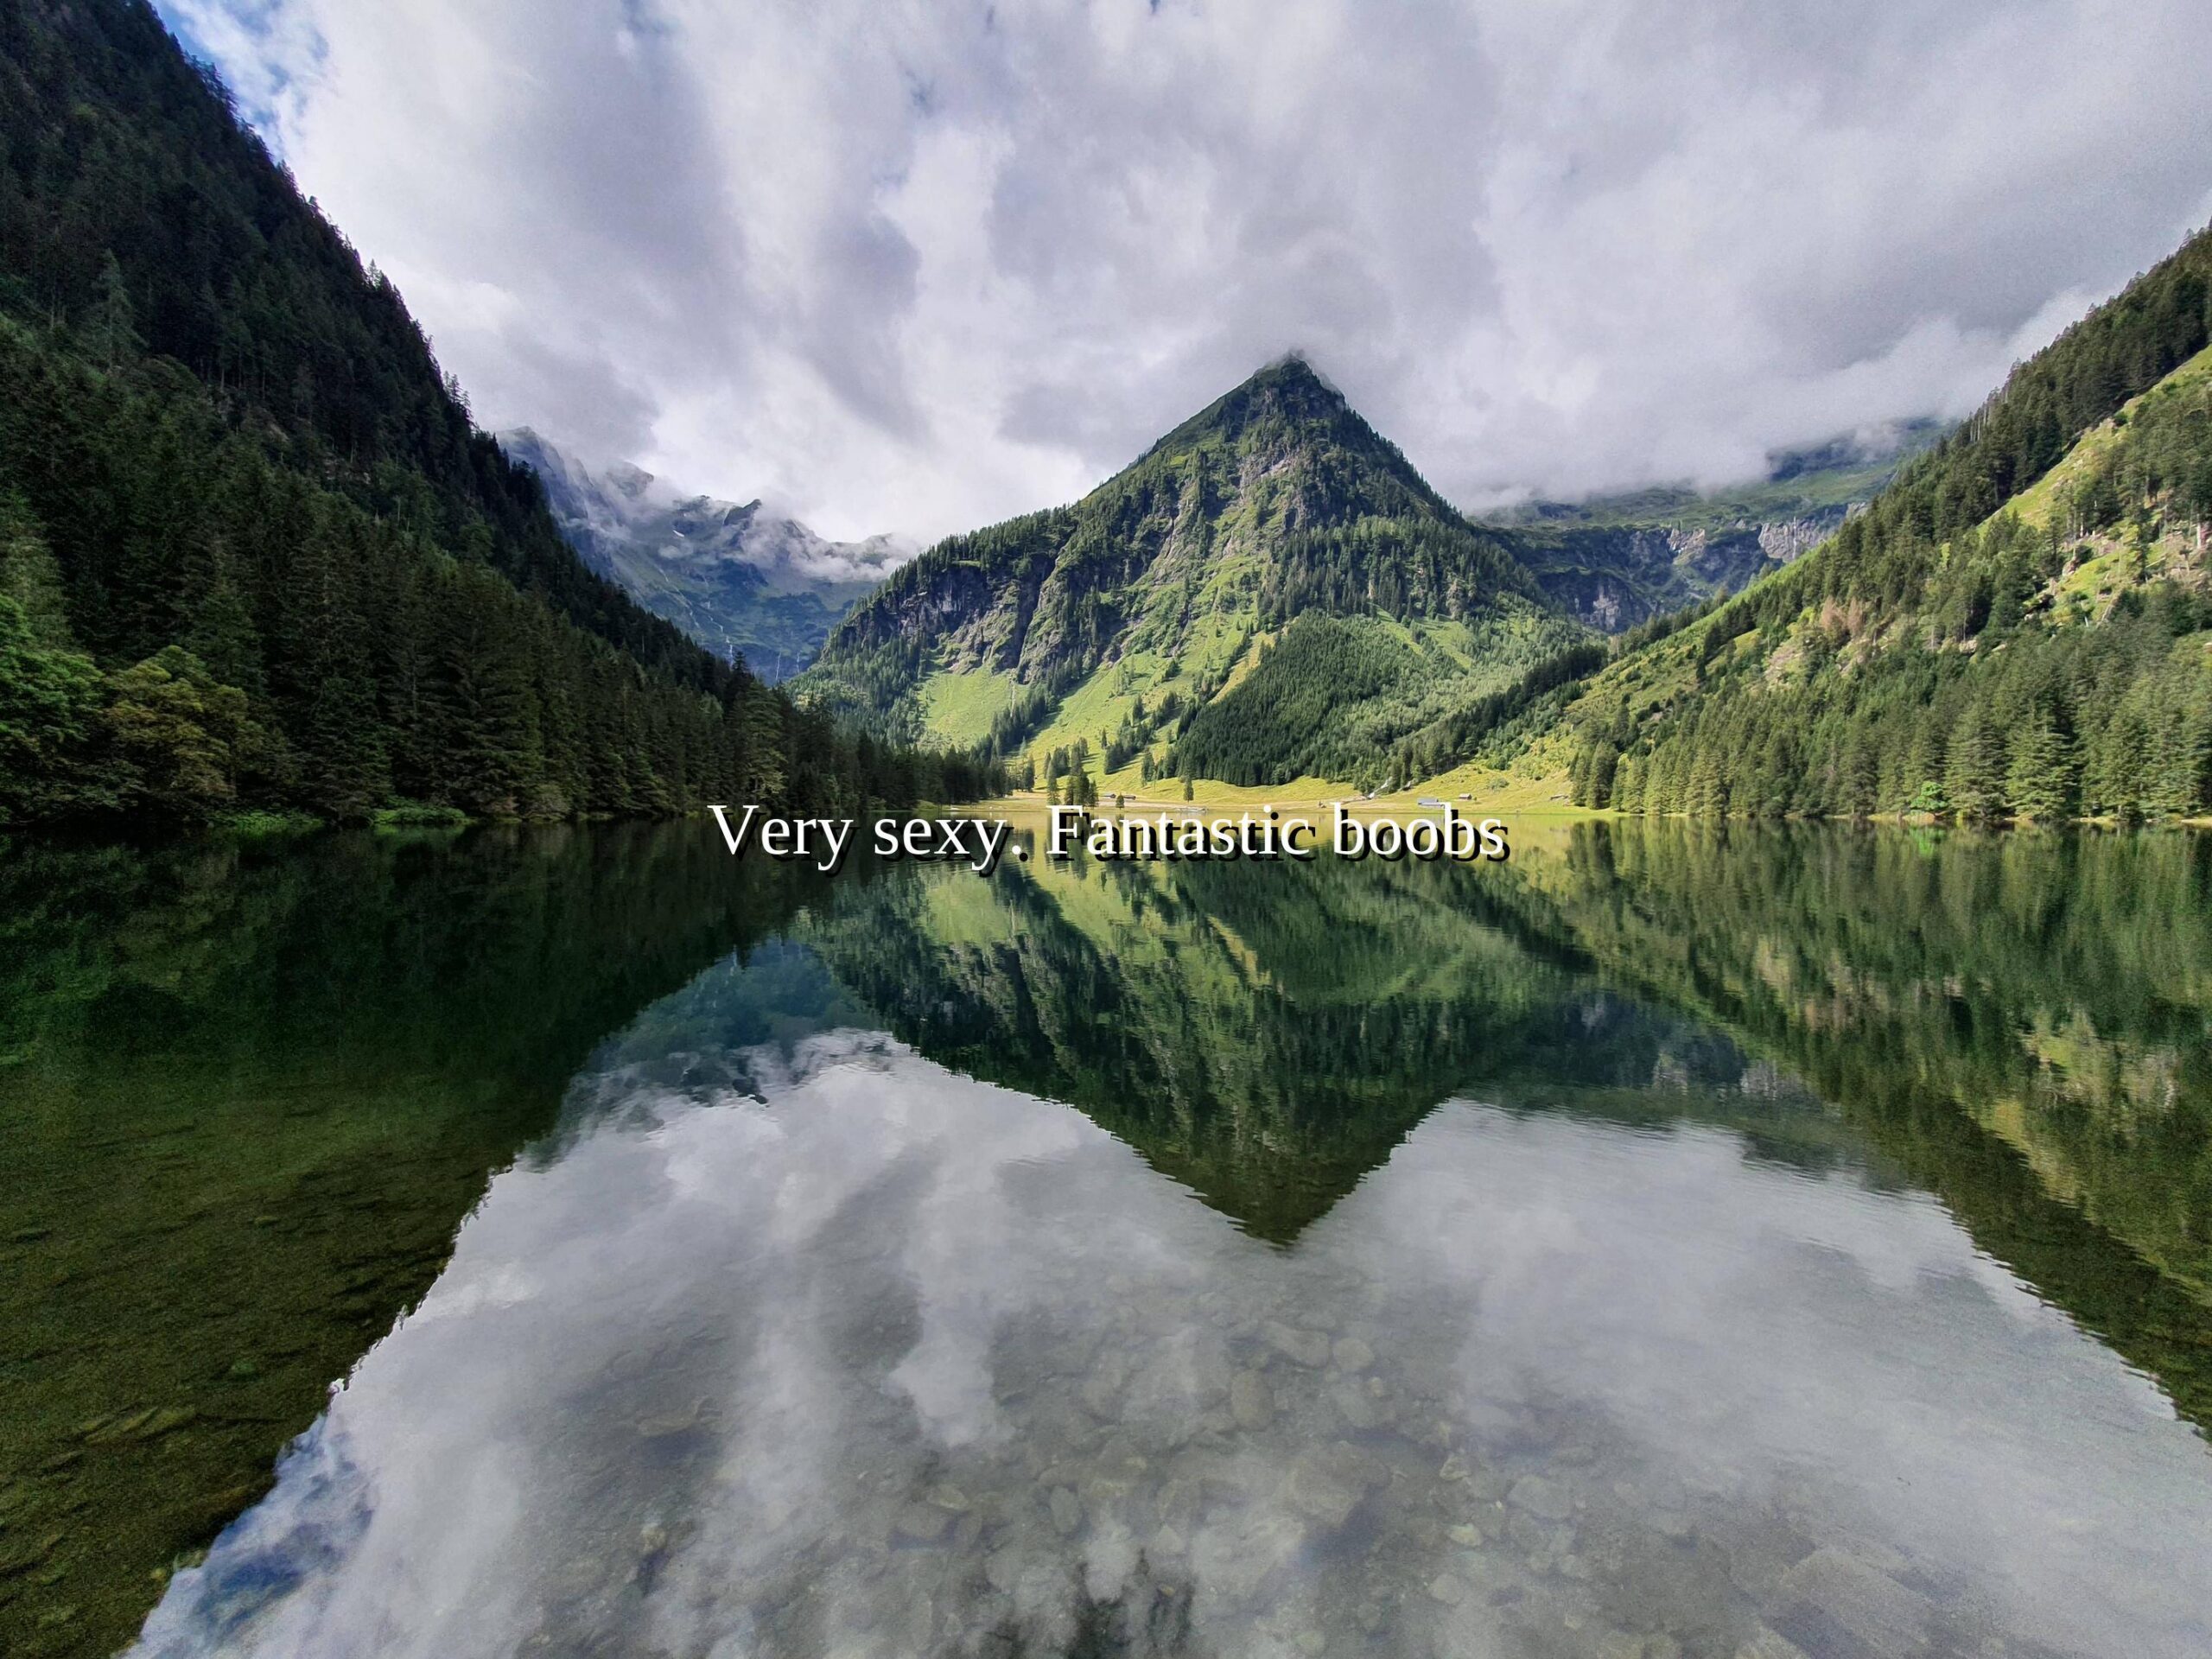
254 554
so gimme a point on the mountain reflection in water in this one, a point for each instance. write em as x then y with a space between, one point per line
832 1344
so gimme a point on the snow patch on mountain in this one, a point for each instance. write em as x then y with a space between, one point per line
743 578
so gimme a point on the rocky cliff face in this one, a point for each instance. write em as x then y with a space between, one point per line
1616 560
740 579
1613 577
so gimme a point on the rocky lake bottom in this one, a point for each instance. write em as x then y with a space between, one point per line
1090 1264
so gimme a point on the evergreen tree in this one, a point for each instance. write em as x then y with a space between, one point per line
1604 765
1973 778
2112 784
1627 784
49 700
2040 780
1859 781
112 326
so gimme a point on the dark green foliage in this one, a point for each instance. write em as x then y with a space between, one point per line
1405 567
2115 719
49 699
1486 725
256 552
1279 721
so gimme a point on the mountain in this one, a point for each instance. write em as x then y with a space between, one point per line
745 582
253 552
1269 591
1225 1023
1616 561
2019 625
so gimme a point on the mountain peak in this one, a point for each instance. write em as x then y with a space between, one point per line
1275 521
1293 385
1288 398
1294 372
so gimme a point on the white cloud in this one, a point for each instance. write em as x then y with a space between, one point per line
919 266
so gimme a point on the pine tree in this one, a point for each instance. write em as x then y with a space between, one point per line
2040 778
1605 763
1925 764
1859 781
1708 794
2112 783
49 700
2181 744
184 738
222 634
1975 768
112 326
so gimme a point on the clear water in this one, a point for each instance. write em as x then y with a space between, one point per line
1670 1244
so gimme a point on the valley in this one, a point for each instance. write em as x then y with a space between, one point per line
749 584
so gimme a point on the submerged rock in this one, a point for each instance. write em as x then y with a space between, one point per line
1546 1499
921 1523
1250 1401
1360 1408
1769 1645
1067 1511
1834 1586
1305 1347
1233 1561
1323 1494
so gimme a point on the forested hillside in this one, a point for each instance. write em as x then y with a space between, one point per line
1147 630
2019 627
253 552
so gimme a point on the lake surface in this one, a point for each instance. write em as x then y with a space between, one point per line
1674 1241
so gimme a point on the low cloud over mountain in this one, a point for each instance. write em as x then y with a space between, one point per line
742 579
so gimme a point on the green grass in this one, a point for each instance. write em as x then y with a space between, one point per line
958 709
261 825
2038 505
418 815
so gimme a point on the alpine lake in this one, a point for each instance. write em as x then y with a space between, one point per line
1674 1240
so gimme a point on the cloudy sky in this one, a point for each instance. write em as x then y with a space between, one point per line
919 265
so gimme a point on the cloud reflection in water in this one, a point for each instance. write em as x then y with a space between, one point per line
821 1348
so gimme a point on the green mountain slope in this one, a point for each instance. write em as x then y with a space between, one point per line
2017 626
253 553
1229 1028
1272 536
